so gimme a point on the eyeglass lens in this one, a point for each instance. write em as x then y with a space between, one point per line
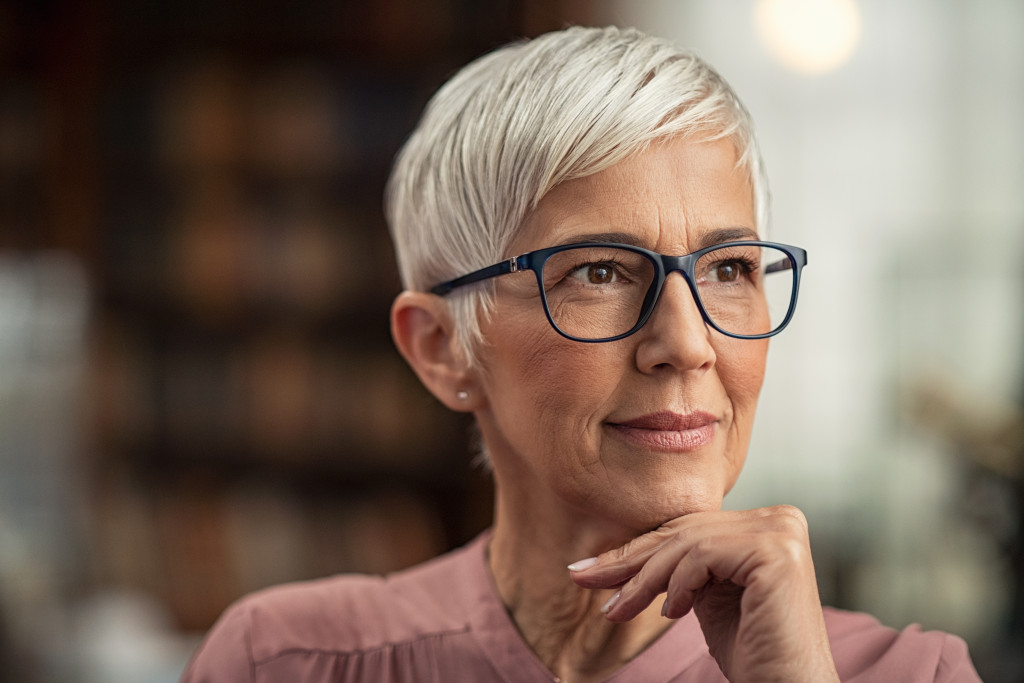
599 292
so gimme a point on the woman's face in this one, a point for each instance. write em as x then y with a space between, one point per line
647 428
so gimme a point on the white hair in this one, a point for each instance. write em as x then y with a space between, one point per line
513 124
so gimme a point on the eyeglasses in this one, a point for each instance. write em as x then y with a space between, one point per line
603 291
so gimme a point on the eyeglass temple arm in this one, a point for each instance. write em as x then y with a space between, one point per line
510 265
781 264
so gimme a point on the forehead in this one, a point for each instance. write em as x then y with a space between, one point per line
669 197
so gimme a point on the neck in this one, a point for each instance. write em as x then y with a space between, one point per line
529 551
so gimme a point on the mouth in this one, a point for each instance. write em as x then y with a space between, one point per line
668 431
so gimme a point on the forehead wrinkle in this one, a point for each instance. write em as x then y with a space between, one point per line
672 233
579 215
623 198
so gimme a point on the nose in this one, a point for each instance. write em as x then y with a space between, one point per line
676 335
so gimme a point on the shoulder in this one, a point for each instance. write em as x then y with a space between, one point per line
345 614
865 650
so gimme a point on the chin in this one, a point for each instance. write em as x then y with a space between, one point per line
697 503
654 508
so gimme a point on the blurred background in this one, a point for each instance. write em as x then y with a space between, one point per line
198 393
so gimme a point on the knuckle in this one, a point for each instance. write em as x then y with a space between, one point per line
665 532
641 545
702 548
674 525
685 534
641 579
793 551
638 589
680 541
791 516
634 585
620 555
612 556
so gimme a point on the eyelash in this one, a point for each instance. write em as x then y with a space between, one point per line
615 265
749 265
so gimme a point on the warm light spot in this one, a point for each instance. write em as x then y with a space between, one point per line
809 36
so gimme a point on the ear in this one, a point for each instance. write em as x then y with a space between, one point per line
424 332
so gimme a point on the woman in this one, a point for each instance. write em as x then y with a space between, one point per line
577 220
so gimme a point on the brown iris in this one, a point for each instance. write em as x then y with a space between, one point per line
599 274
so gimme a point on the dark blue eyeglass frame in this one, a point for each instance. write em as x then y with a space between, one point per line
664 265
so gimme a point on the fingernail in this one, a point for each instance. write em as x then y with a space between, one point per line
611 602
583 564
664 608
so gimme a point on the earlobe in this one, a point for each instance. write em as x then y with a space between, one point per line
424 333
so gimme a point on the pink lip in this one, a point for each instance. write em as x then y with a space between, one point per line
668 431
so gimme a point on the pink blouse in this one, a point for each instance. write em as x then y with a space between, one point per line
444 621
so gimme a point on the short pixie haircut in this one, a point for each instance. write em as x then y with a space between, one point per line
513 124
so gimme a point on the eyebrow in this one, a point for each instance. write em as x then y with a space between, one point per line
707 239
721 235
617 237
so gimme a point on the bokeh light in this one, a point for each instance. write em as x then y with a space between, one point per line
809 36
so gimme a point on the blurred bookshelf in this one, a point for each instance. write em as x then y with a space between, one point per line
217 170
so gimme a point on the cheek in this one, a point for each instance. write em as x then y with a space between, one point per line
741 366
741 371
546 393
549 378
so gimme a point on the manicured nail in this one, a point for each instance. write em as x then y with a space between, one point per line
607 607
583 564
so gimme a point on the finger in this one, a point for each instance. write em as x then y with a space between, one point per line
715 559
616 566
703 553
759 560
685 565
643 587
642 567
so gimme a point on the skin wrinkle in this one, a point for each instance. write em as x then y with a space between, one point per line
548 404
567 482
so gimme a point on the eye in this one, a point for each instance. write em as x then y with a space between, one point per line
726 271
596 273
729 270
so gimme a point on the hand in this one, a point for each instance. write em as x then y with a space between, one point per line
747 575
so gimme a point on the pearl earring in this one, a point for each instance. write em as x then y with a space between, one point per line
462 395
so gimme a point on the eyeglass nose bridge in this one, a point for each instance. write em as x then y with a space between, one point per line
666 266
